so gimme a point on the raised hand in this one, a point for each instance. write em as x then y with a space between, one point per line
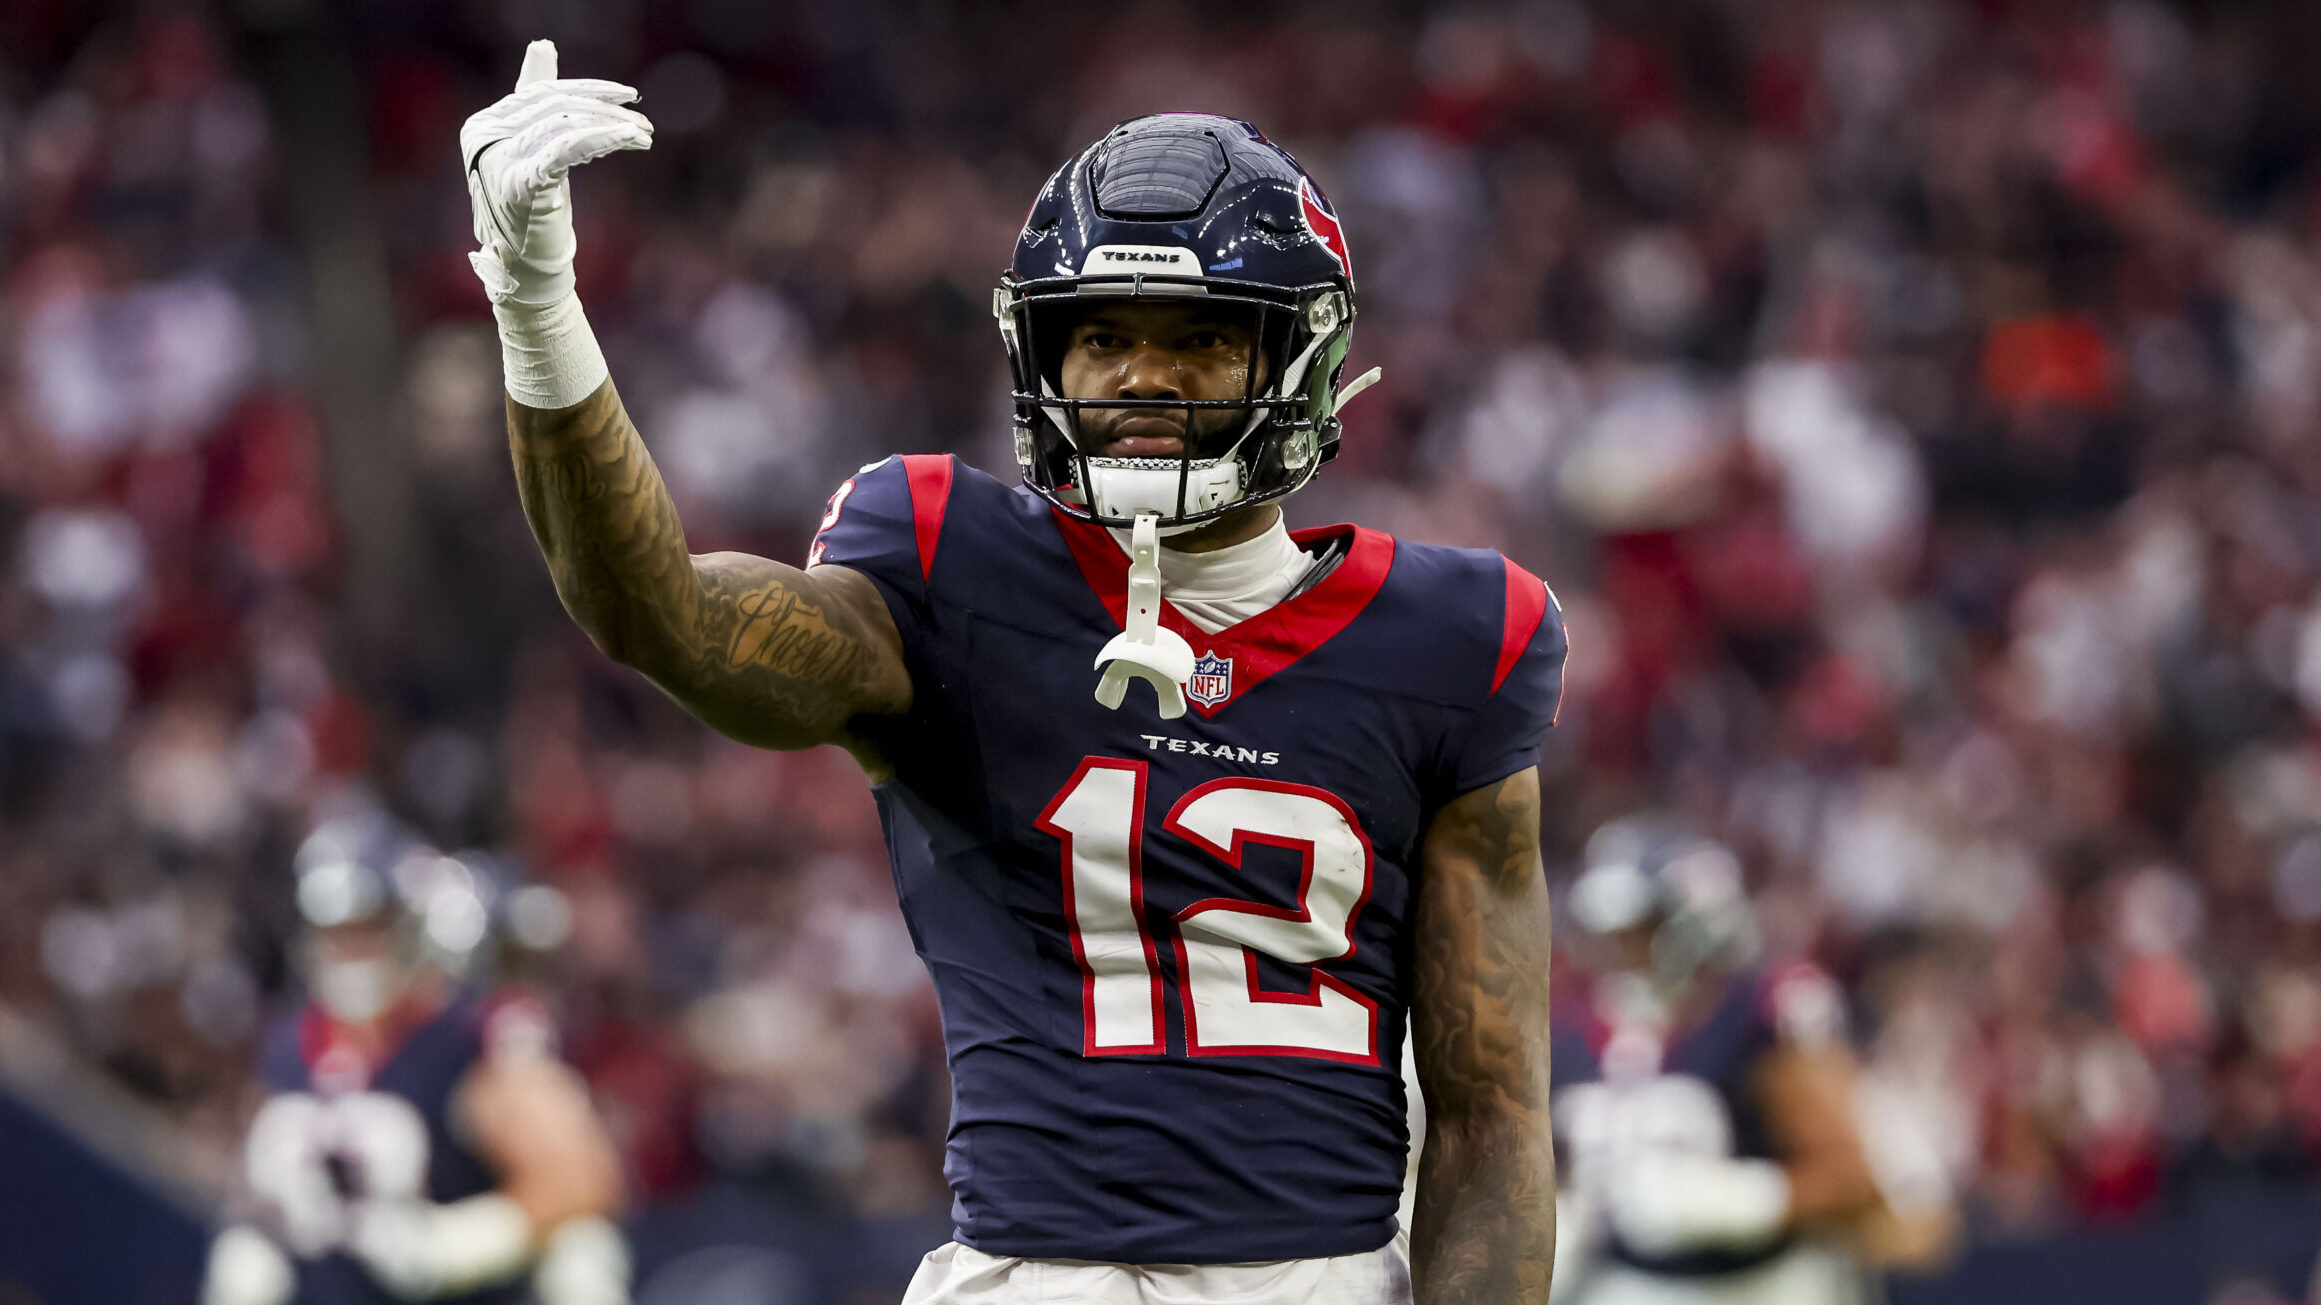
518 153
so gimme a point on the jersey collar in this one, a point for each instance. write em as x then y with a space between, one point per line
338 1060
1272 639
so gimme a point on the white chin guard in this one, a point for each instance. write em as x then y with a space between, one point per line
1134 487
1145 649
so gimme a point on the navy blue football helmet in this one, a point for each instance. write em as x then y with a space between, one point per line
1655 871
1171 206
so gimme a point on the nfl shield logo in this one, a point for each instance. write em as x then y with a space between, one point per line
1212 680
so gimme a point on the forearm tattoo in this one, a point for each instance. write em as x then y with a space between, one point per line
756 648
1485 1230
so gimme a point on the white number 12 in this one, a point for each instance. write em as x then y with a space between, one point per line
1099 818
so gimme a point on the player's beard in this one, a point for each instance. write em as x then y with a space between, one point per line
1213 430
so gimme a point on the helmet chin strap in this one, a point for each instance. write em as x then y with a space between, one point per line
1145 650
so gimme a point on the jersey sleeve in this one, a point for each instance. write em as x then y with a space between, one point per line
886 521
1503 734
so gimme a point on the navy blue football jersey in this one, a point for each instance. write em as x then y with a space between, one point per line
337 1132
1690 1088
1172 956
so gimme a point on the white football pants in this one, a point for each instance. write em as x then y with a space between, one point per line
953 1274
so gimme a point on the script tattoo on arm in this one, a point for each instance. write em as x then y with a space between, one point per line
1485 1224
764 652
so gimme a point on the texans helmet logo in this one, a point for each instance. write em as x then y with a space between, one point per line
1324 226
1212 680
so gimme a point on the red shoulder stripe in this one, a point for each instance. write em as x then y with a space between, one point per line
929 475
1526 608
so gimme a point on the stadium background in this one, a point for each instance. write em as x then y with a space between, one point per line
1915 403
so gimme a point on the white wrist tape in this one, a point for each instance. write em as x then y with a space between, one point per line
420 1251
479 1241
246 1268
1667 1204
585 1262
1744 1204
550 356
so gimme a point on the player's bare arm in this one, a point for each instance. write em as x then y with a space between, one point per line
529 1114
762 651
1486 1187
759 650
1807 1094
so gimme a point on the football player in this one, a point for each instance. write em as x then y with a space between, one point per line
1177 913
1705 1102
421 1140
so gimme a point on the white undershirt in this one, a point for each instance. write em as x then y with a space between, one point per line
1228 585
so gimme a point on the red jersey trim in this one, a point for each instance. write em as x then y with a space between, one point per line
325 1047
1274 638
929 476
1526 608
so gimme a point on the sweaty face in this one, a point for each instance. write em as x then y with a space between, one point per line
1161 349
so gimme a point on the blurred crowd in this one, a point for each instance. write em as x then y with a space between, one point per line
1916 405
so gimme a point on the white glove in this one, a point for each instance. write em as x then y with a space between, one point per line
247 1268
584 1262
1668 1202
517 154
419 1250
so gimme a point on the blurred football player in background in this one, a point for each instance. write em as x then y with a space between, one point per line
422 1141
1705 1100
